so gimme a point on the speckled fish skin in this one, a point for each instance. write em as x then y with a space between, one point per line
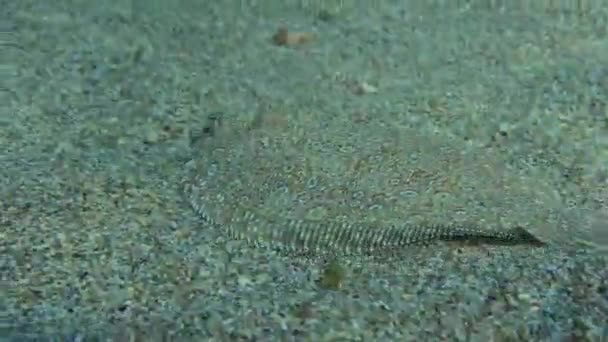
347 238
222 171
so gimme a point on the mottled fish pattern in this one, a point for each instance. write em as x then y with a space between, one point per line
226 181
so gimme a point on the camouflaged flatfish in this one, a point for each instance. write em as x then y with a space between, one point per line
343 191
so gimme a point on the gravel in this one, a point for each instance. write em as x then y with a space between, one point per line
101 104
